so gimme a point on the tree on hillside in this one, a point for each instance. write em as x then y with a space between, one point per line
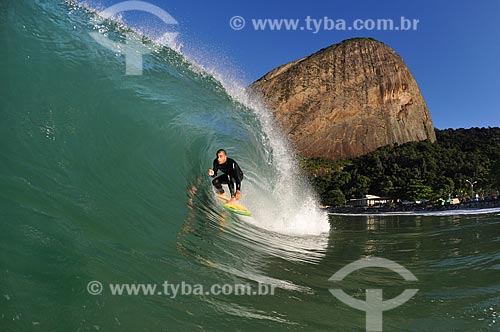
417 170
416 191
495 174
334 197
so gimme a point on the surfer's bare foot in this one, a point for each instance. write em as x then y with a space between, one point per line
231 201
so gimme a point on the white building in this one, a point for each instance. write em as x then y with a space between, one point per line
369 200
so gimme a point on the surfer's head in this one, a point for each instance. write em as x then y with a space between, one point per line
221 156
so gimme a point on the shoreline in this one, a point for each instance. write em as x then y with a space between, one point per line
463 208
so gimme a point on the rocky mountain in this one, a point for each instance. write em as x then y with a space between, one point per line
346 100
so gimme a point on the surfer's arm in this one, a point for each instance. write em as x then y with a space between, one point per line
236 174
214 169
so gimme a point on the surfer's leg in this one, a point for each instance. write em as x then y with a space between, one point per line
218 182
231 185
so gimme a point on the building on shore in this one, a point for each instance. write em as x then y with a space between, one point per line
370 201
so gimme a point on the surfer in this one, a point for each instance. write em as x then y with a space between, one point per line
232 175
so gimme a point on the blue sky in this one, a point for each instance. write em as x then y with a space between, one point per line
454 54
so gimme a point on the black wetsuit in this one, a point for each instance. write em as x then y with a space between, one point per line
232 175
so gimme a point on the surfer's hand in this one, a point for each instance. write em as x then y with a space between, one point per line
237 195
211 172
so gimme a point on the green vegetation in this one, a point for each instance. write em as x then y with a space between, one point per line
415 170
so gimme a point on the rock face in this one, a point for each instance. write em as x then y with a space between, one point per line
346 100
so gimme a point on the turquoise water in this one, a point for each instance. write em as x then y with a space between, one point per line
102 178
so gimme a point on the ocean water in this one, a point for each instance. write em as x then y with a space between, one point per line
103 179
